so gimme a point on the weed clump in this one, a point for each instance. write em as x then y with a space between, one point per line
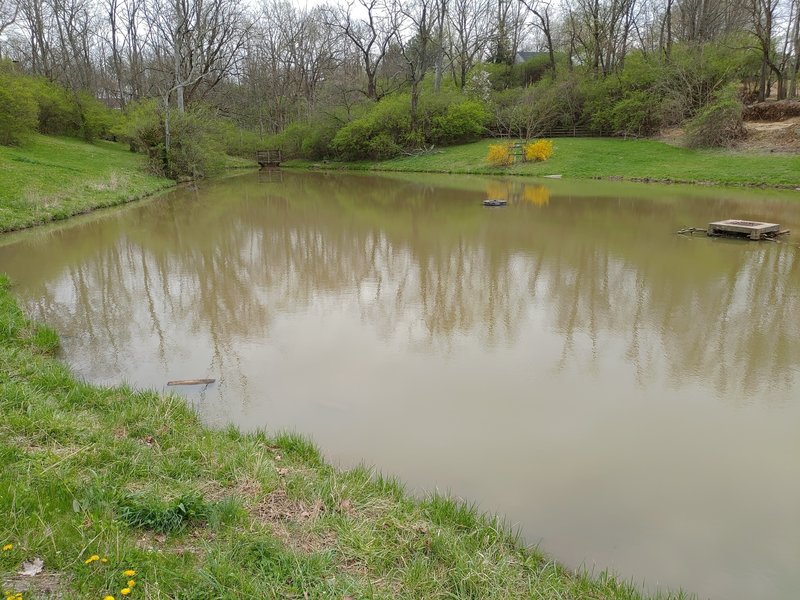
165 517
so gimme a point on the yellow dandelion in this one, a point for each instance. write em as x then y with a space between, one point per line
129 573
91 559
125 591
8 547
109 598
104 560
131 583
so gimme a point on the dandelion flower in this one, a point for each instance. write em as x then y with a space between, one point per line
129 573
91 559
104 560
8 547
109 598
125 591
131 583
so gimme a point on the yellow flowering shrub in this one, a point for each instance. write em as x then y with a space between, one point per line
539 151
499 155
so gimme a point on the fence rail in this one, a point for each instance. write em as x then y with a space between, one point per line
558 132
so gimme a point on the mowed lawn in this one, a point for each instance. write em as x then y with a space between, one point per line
608 158
50 178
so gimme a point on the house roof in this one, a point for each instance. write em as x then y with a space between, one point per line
523 56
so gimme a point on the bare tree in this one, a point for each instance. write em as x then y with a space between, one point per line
541 9
198 43
370 35
602 31
415 24
9 10
763 20
794 38
471 29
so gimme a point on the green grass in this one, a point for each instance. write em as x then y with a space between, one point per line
643 160
134 478
51 178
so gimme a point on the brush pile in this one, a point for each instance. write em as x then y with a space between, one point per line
772 111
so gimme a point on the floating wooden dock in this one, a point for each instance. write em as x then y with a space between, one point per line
754 230
269 158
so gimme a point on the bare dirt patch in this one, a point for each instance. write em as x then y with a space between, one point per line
278 507
762 136
245 488
772 136
47 584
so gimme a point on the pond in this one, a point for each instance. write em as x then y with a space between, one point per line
627 397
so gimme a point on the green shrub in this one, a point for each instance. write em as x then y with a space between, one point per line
351 142
532 70
445 118
638 113
18 111
58 115
95 120
197 139
196 148
62 112
717 125
382 146
547 105
141 127
462 122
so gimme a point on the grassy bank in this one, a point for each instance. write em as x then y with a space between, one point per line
643 160
134 480
51 178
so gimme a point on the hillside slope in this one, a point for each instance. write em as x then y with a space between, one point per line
51 178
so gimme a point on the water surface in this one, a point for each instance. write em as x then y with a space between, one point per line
628 397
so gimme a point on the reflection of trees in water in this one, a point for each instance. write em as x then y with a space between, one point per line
427 263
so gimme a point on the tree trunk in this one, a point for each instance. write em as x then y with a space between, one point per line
796 63
166 135
437 80
414 103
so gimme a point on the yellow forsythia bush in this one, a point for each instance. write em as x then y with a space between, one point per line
499 155
540 150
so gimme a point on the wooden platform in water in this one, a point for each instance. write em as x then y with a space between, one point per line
269 158
755 230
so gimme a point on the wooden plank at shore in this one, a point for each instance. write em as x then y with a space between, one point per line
191 382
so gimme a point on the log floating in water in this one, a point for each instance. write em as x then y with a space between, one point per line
191 382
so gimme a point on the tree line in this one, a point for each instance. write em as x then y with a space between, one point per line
360 78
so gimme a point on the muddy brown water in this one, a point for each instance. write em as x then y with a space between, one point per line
628 398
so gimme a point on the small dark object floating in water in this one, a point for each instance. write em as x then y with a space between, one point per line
191 382
495 202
